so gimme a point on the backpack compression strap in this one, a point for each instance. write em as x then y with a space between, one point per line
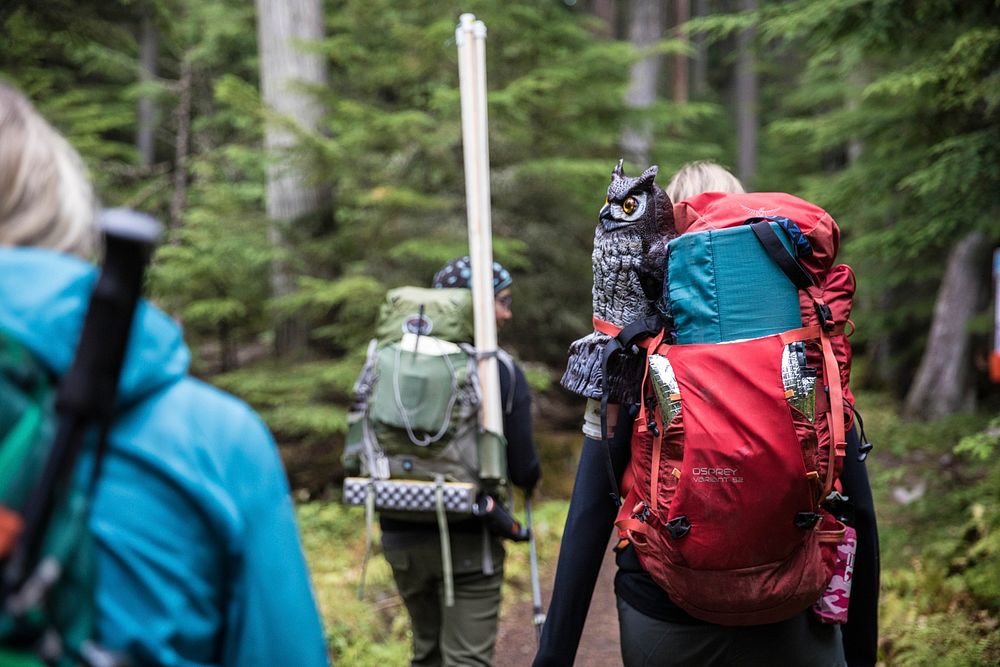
627 338
831 376
790 267
777 251
508 362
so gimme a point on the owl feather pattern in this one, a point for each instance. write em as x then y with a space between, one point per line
629 262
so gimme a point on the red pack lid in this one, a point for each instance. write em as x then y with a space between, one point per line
719 210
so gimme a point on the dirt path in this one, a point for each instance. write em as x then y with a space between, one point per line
599 645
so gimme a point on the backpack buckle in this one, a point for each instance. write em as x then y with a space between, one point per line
863 451
651 419
825 315
641 512
678 527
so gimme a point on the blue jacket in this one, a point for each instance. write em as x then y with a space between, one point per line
199 560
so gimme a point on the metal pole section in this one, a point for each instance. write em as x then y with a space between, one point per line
536 589
470 36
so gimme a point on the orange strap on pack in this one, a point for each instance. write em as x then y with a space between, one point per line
613 330
11 526
657 436
633 526
831 372
831 376
606 327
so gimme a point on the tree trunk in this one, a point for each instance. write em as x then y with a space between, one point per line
606 10
149 47
228 360
746 88
858 77
645 29
943 384
181 148
699 74
283 26
682 13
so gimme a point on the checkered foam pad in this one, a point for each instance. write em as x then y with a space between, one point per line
410 496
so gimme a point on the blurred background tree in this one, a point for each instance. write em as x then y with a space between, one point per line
897 137
885 112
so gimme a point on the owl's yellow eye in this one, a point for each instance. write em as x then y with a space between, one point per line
629 205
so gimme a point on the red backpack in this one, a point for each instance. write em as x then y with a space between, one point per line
730 467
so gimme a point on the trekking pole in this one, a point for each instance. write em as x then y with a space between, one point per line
86 395
536 588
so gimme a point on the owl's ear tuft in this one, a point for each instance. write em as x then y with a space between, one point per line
647 176
617 171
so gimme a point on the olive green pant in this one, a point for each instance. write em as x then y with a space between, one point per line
460 635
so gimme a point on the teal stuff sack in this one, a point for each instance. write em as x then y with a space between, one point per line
723 287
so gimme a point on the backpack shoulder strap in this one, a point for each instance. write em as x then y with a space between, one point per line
641 332
508 362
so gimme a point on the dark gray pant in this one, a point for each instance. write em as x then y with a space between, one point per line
461 635
801 640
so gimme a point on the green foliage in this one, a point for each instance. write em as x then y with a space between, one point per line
349 306
982 445
374 632
539 377
940 601
304 401
394 157
371 632
213 273
75 59
548 519
887 113
897 131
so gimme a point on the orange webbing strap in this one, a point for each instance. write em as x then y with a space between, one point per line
613 330
831 376
805 333
651 345
802 333
654 474
831 373
658 436
633 526
606 327
11 526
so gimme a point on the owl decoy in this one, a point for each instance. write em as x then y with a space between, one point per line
629 262
630 247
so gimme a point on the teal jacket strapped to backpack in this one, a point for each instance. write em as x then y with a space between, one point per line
198 557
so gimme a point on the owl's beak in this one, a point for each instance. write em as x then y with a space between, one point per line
609 223
605 212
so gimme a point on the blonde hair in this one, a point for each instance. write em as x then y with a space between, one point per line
46 199
702 176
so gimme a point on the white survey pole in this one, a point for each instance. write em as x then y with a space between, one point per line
470 36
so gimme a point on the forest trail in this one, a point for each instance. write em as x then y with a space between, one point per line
599 646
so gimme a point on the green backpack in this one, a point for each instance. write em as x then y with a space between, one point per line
415 448
50 618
